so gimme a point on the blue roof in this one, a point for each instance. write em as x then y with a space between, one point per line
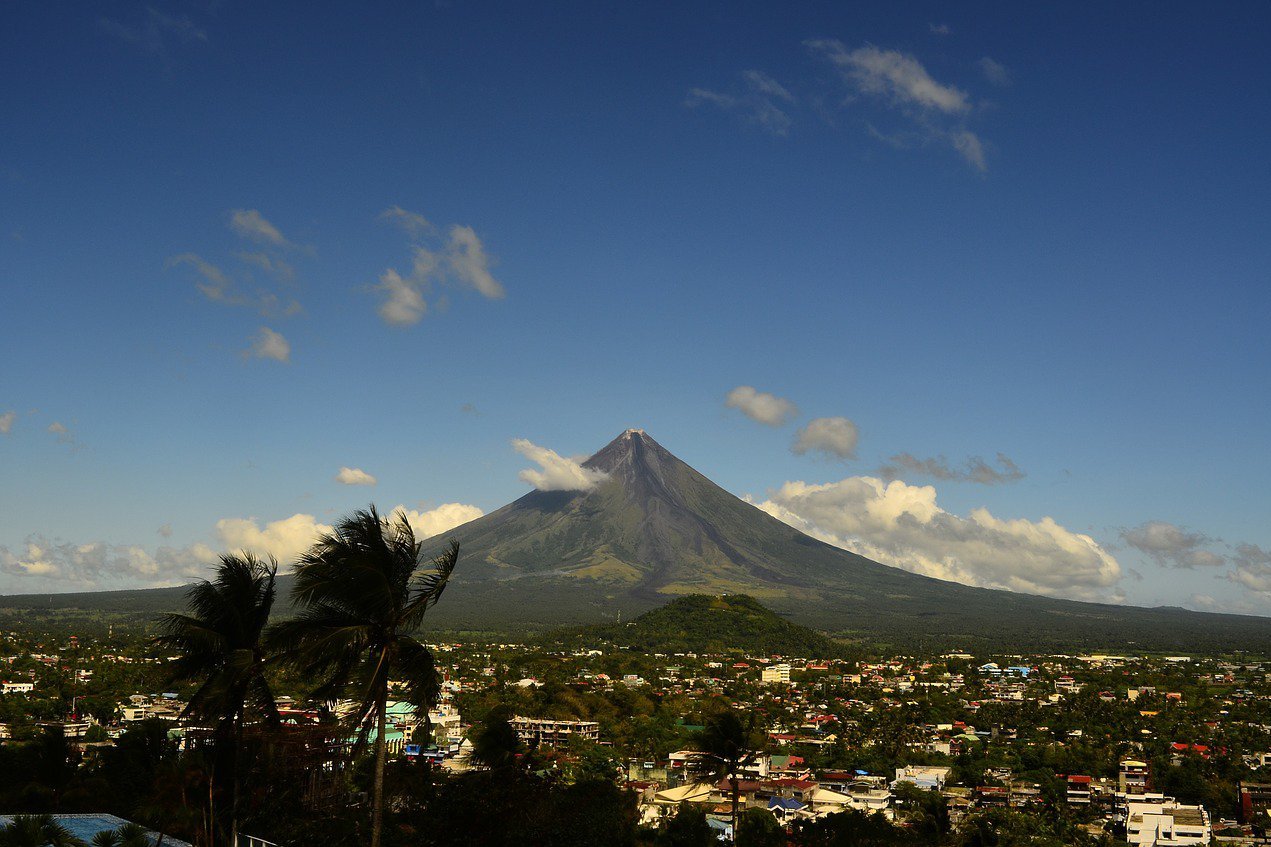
788 803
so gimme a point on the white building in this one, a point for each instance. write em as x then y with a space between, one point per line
17 687
1154 821
776 674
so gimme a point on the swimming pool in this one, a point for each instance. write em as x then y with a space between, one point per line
86 826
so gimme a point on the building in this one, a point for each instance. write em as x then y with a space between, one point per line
1255 800
544 732
776 674
17 687
1132 778
924 776
1078 789
1155 821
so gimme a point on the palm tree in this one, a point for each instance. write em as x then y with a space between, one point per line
220 643
37 831
727 744
362 594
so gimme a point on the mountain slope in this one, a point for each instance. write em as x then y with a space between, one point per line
655 529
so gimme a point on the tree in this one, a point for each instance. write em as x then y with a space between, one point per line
495 743
759 828
687 829
37 831
362 595
220 643
729 744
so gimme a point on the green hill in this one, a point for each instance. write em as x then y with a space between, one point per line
703 623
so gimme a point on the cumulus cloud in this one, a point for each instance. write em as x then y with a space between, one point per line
763 102
835 437
354 476
268 344
1172 546
65 565
556 472
443 518
761 406
994 72
284 539
934 111
974 469
6 422
251 224
903 526
460 257
1253 569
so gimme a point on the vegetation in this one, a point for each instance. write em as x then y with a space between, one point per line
362 598
220 644
702 623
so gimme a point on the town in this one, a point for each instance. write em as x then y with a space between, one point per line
1138 749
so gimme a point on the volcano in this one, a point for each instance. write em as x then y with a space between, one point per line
655 528
652 528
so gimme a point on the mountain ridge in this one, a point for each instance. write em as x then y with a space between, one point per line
654 529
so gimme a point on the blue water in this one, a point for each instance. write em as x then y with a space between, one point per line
86 826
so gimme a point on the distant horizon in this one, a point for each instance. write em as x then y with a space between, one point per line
978 294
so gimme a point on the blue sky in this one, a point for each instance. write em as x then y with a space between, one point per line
243 246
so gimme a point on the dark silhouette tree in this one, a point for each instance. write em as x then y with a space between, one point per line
362 596
219 643
729 745
37 831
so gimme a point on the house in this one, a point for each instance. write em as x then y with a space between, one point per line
17 687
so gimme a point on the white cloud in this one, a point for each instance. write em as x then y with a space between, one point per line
432 522
413 222
557 473
461 257
215 285
64 435
268 263
972 149
1171 545
893 75
284 539
470 263
975 469
251 224
63 565
995 72
903 526
268 344
831 436
763 102
761 406
940 29
935 111
354 476
1253 569
6 422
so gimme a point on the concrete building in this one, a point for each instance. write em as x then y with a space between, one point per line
1132 777
775 674
544 732
1155 821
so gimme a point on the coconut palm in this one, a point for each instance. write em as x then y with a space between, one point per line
219 643
727 744
37 831
362 595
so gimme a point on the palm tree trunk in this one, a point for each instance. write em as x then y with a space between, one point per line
736 798
377 800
